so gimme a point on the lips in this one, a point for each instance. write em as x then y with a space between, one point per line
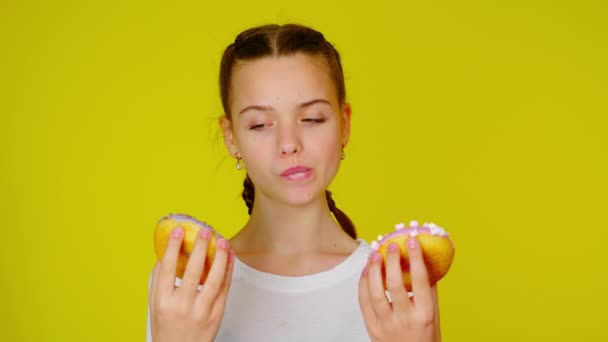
295 170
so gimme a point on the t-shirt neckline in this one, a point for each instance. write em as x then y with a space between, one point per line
349 267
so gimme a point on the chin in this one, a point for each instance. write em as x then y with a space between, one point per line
293 193
304 196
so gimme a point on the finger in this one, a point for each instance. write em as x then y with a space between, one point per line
196 262
154 286
394 279
420 279
436 302
220 302
365 302
376 287
215 278
168 265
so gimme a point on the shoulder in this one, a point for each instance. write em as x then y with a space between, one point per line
364 248
362 253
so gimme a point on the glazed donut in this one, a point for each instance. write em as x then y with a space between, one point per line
437 250
191 227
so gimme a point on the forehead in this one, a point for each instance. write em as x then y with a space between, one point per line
281 82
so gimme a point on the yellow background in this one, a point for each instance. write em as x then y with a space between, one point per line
486 117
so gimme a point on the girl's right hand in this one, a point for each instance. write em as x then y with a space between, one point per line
184 313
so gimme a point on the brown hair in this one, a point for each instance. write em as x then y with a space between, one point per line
282 40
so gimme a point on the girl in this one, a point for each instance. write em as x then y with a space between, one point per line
292 273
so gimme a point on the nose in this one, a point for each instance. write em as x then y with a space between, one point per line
287 150
289 141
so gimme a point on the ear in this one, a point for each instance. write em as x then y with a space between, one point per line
229 139
346 113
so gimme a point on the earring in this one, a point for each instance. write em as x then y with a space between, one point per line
343 156
239 166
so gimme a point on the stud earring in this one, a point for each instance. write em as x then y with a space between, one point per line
342 156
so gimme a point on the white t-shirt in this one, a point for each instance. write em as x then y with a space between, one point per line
318 307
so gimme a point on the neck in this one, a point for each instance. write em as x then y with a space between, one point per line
282 229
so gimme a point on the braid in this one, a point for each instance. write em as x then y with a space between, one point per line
345 222
248 193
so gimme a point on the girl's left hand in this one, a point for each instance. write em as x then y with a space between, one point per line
405 319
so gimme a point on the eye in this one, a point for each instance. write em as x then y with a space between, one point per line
314 120
257 127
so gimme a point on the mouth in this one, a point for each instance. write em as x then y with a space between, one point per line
297 173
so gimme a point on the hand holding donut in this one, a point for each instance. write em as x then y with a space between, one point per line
414 258
186 313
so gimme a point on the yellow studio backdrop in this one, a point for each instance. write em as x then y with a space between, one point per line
486 117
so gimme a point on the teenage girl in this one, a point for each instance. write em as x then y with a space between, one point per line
294 272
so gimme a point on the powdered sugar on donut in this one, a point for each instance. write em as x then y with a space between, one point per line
413 230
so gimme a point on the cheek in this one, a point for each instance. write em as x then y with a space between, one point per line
328 147
255 151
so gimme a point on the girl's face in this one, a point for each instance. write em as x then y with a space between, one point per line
287 126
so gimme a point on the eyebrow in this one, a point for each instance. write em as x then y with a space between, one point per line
269 108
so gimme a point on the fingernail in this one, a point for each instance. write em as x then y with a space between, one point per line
370 257
177 232
365 271
231 257
205 233
222 243
393 247
376 257
412 243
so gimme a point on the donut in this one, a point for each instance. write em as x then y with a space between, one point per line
191 227
437 250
